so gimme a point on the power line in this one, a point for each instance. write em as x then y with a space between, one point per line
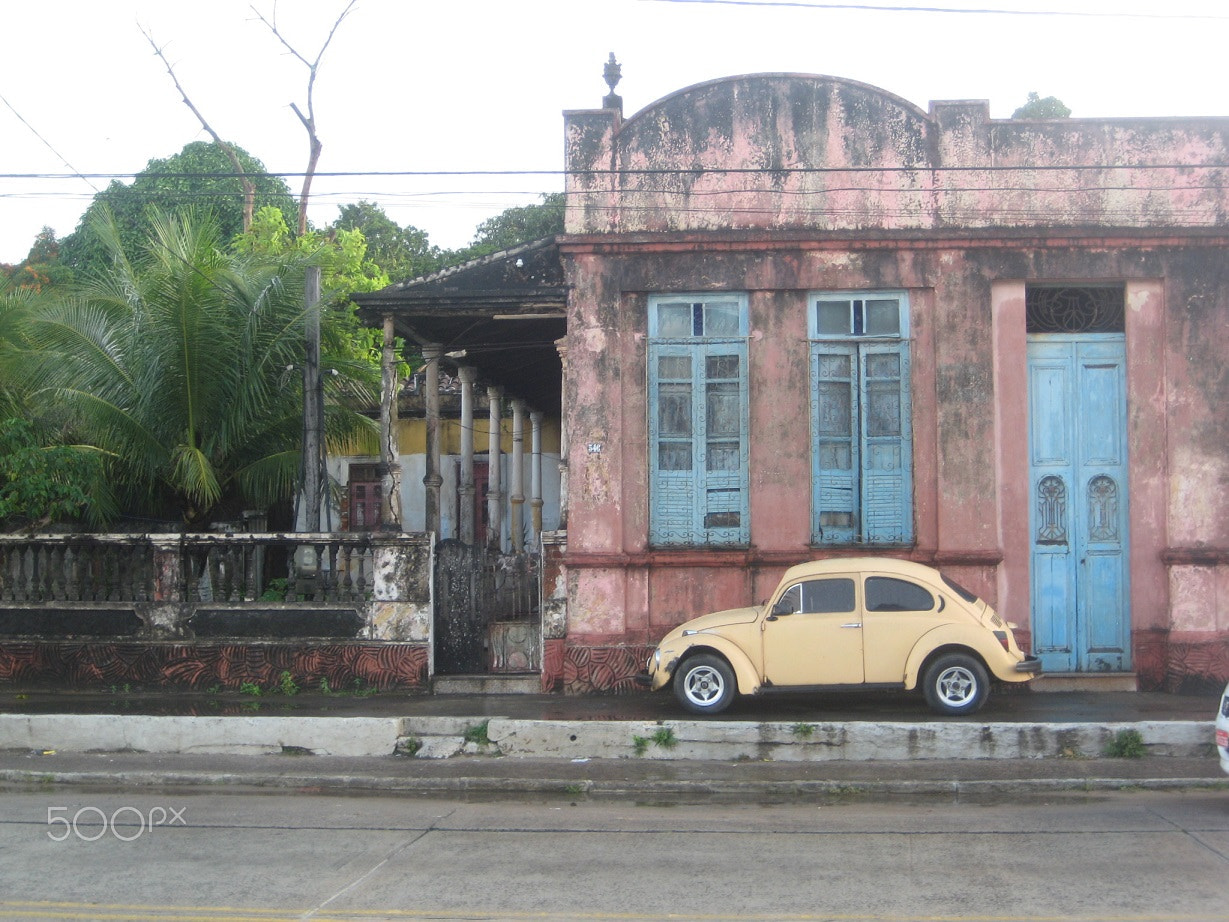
650 171
76 173
977 11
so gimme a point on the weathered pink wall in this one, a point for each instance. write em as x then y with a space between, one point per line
959 211
798 151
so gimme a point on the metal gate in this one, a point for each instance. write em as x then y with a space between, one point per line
486 610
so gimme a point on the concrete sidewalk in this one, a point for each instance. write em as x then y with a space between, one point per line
637 745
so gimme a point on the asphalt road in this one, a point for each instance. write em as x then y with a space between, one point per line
68 854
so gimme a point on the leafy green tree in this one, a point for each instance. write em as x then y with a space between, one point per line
41 484
1036 107
177 368
17 305
344 268
340 254
42 267
200 176
514 226
402 252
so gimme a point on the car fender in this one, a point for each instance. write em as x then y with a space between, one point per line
970 637
745 673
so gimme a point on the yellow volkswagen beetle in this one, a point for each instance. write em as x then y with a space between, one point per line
841 624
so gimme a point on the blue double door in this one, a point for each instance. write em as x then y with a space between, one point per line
1078 494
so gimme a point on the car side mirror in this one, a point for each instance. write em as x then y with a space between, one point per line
783 607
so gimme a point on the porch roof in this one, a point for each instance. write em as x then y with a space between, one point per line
500 314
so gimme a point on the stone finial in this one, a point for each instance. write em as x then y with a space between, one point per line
612 73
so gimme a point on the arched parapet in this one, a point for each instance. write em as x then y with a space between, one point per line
748 151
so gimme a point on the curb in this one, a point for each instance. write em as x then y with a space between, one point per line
671 789
663 740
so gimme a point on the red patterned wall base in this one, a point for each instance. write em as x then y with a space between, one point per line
577 670
1197 668
204 666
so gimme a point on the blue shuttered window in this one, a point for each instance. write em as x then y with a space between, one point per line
698 416
861 437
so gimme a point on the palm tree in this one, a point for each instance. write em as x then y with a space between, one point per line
177 366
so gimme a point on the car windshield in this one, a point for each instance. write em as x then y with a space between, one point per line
959 589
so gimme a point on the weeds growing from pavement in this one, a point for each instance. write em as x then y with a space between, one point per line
1126 744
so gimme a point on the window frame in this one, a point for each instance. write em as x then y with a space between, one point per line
876 518
364 496
671 491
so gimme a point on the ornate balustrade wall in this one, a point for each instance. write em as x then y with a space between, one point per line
206 610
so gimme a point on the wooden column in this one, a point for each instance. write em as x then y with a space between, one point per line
561 345
465 515
432 479
494 495
516 474
535 477
390 467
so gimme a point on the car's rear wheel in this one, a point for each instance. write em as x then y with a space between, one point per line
956 683
704 684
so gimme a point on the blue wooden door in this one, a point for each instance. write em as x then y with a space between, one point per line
1078 493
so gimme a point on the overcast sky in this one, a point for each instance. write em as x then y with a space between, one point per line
480 85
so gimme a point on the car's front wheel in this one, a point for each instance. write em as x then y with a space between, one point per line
704 684
955 684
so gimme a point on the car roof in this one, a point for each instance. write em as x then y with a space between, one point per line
887 565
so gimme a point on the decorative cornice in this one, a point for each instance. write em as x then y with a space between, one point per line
683 558
765 239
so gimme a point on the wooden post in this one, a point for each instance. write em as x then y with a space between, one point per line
465 514
494 536
390 468
561 346
535 476
432 479
516 475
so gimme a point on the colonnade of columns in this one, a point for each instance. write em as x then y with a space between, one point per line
467 489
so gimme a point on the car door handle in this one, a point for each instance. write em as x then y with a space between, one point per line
853 624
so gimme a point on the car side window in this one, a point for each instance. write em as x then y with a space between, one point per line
886 593
825 596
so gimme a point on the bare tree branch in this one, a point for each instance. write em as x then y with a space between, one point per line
249 188
309 119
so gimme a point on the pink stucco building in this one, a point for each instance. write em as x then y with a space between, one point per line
808 318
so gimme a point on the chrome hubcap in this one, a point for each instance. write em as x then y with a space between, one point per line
704 685
957 685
